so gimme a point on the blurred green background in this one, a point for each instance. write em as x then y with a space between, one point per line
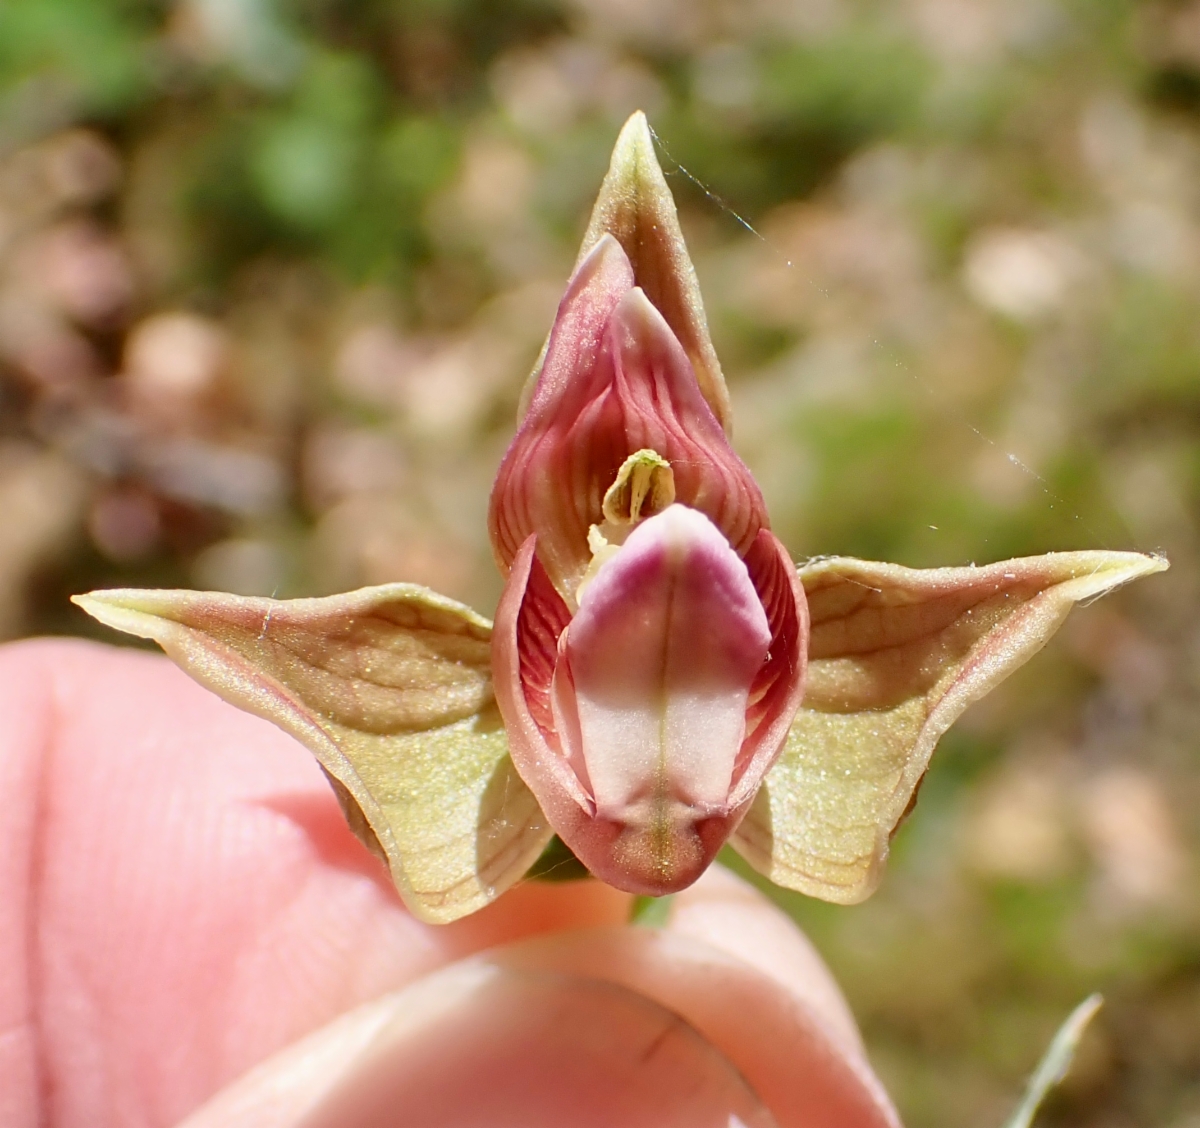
272 275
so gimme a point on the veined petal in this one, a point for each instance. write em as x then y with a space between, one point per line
600 280
523 501
530 618
636 208
389 688
636 392
662 410
896 655
779 687
655 670
663 701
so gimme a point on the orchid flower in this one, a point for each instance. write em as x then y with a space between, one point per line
660 678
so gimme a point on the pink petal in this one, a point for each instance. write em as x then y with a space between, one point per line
520 503
663 410
635 206
616 645
594 406
529 620
655 670
779 687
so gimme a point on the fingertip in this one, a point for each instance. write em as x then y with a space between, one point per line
727 913
481 1043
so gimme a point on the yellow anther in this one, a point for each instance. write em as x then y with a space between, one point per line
645 482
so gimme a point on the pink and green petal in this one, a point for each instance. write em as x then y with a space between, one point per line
633 391
635 207
655 670
896 655
636 744
530 619
390 689
779 687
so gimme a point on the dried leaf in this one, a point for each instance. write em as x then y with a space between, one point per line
390 688
895 656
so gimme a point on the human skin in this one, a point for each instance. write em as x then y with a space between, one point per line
181 900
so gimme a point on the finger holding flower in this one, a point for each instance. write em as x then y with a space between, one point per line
188 929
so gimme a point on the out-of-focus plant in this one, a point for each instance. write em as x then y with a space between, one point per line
1055 1061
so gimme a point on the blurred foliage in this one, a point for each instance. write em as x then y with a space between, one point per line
272 274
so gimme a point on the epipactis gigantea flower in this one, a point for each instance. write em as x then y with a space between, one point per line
643 692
